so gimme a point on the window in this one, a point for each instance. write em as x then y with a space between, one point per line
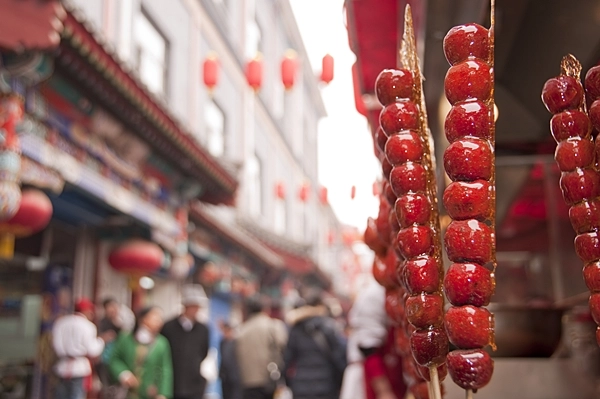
215 129
255 188
151 49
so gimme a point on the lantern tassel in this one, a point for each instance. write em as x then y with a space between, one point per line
7 245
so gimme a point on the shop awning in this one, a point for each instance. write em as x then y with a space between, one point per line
203 216
375 29
30 25
296 256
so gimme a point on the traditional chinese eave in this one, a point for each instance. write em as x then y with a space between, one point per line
202 216
83 57
296 256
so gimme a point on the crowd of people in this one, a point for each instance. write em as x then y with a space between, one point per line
304 356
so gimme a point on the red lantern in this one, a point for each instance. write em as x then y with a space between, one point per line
327 69
210 71
137 257
280 190
33 215
323 195
288 69
353 192
358 100
254 71
304 192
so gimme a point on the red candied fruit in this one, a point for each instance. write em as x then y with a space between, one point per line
408 178
469 241
464 200
395 227
399 116
414 241
464 41
587 246
469 118
412 209
383 222
394 305
469 327
409 371
595 307
404 147
429 347
386 167
580 184
562 93
372 239
574 153
470 369
441 369
592 83
594 113
388 194
585 216
393 85
381 139
573 123
468 284
470 79
384 270
422 275
402 343
591 276
425 310
468 160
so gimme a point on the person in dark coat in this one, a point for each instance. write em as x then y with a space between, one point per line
314 357
189 341
229 372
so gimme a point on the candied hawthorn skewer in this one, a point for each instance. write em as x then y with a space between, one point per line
577 160
412 181
470 201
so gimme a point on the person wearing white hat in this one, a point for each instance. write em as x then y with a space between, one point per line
189 340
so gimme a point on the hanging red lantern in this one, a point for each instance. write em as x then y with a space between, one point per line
137 257
288 69
323 195
327 69
304 192
353 192
210 71
32 216
280 190
358 100
254 72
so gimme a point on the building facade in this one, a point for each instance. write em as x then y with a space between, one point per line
130 147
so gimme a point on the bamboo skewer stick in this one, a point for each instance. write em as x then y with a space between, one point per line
469 394
435 381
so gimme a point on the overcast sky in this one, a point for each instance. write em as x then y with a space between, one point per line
345 146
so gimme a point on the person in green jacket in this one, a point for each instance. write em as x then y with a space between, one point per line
141 361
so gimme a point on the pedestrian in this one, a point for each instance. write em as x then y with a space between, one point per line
189 341
374 366
141 360
109 328
229 372
315 357
75 341
259 349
